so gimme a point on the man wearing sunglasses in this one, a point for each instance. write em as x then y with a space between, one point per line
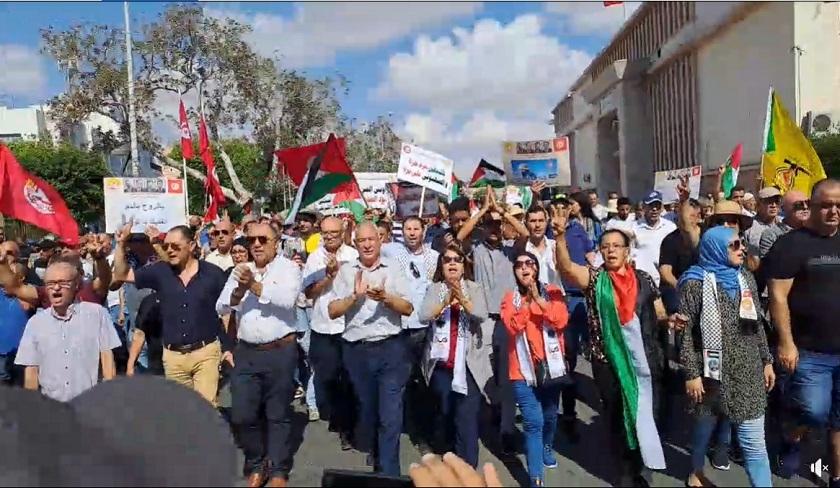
650 231
334 395
803 267
223 234
769 201
193 336
796 208
264 295
374 299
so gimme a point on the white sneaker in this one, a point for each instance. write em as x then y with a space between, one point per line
314 416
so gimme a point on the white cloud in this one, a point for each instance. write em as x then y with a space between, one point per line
478 87
591 18
22 72
318 31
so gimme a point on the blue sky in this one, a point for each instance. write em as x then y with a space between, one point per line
456 77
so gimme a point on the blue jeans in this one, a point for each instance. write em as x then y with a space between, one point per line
539 421
304 371
574 336
379 371
126 331
814 390
751 437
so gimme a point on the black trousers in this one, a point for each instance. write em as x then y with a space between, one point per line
333 389
264 380
419 400
504 400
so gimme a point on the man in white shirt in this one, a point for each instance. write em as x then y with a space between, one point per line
333 392
263 294
650 230
624 219
419 262
599 210
374 297
536 220
223 233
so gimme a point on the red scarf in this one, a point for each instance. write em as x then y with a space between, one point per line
626 289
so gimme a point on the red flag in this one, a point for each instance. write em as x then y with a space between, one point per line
211 186
28 198
611 3
186 137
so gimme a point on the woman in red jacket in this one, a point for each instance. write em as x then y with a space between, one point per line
535 315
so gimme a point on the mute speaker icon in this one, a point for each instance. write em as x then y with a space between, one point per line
818 467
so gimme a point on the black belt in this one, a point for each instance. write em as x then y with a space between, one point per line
275 344
365 343
187 348
494 316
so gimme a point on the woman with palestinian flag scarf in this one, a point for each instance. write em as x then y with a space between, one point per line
625 312
534 315
724 353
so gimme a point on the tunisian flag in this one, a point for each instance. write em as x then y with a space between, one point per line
212 186
186 137
28 198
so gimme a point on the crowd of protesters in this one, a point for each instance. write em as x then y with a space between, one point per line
385 325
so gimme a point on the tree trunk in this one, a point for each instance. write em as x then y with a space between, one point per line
175 165
234 178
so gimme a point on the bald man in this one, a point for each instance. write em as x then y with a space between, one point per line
795 207
372 296
223 235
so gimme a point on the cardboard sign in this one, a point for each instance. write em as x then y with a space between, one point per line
425 168
666 182
546 160
407 199
147 201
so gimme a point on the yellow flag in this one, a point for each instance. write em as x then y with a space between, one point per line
789 161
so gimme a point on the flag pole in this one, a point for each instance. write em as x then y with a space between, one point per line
764 135
132 116
184 169
422 201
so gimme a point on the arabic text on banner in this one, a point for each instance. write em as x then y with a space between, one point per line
425 168
529 161
148 201
666 182
374 187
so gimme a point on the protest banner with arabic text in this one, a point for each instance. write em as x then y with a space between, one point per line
425 168
147 201
666 182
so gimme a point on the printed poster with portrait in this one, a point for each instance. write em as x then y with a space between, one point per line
545 160
146 201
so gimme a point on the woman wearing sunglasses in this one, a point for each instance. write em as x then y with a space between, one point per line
626 317
456 363
534 315
724 353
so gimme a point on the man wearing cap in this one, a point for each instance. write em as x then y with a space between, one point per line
263 294
749 204
64 346
650 231
223 234
769 199
373 296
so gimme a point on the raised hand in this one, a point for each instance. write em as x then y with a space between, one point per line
332 266
683 191
123 233
243 275
360 287
538 186
152 231
488 200
559 219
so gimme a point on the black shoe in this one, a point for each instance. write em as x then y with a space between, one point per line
570 429
370 461
736 455
346 445
720 458
508 446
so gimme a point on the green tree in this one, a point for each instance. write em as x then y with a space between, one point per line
827 146
75 173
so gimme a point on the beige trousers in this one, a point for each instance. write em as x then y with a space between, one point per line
197 370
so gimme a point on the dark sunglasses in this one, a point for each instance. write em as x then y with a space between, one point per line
829 205
736 245
254 239
528 263
772 200
222 232
800 205
167 245
453 259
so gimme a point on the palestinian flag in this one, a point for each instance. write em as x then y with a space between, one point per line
730 173
327 173
487 175
455 192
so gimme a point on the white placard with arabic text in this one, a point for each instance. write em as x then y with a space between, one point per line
666 182
425 168
147 201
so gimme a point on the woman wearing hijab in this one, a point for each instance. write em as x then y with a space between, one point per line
724 353
624 313
534 315
456 363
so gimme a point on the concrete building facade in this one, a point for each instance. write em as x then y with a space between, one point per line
33 122
683 83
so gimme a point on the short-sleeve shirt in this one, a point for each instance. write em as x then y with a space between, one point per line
579 245
188 313
368 320
813 262
648 243
678 253
314 271
66 350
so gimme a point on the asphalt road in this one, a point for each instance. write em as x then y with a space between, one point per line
586 463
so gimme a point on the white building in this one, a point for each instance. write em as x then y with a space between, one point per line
29 123
683 83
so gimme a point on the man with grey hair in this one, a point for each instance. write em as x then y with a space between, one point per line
64 345
372 295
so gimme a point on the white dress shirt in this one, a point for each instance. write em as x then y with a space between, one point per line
271 315
548 265
314 271
648 243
